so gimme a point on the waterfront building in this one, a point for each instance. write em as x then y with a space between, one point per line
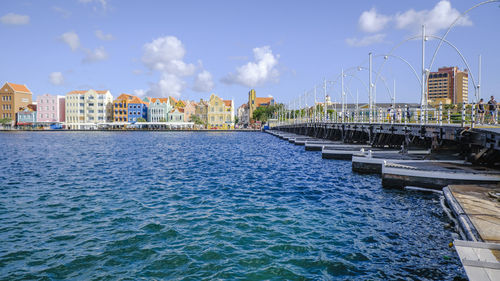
12 98
448 85
137 109
202 111
51 109
189 109
220 113
158 109
86 109
255 102
176 115
27 116
120 108
243 117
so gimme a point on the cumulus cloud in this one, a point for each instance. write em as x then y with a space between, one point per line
97 54
365 41
71 39
203 82
166 54
169 85
56 78
439 18
104 37
371 21
257 72
15 19
63 12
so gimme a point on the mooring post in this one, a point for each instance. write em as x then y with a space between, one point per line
463 114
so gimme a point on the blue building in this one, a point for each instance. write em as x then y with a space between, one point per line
137 109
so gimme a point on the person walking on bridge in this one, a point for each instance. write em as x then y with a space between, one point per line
492 109
480 111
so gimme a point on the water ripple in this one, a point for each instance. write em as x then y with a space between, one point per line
203 206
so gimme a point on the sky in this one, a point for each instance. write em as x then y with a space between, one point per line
190 49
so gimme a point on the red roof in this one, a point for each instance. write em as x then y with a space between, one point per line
162 100
227 102
259 101
19 87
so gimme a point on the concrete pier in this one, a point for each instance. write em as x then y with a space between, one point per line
477 210
371 163
435 175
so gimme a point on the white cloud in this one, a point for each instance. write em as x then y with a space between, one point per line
104 37
140 92
15 19
56 78
439 18
63 12
169 85
166 55
365 41
258 72
72 39
97 54
104 3
203 82
371 21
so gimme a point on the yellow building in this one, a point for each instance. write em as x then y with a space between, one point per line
448 85
86 109
220 113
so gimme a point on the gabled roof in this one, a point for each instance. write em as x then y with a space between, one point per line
124 97
162 100
173 100
227 102
245 105
136 100
181 103
19 87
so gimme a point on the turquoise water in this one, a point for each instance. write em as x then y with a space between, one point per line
193 206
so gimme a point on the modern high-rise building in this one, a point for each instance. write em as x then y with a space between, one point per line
448 85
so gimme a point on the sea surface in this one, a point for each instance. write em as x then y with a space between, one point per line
206 206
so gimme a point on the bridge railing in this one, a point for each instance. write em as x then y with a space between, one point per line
465 115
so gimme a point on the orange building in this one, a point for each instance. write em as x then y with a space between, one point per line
120 108
12 98
448 85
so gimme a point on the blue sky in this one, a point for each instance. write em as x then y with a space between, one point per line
193 48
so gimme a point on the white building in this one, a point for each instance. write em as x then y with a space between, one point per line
85 109
243 117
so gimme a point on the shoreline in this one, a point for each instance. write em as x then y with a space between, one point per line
135 130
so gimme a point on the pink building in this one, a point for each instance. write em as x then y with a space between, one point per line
50 108
189 109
